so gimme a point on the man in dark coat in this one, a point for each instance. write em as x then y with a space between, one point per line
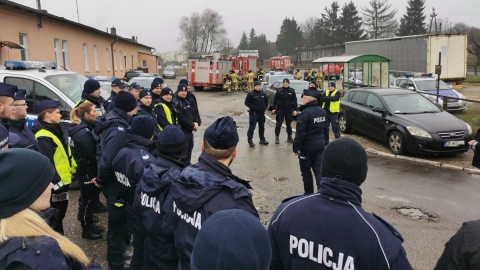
164 110
91 93
192 98
285 106
117 86
330 229
7 93
309 143
145 107
207 187
18 123
257 103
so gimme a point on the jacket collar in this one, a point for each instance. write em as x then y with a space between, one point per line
341 190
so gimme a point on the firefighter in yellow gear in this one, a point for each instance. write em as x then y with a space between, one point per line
309 75
234 77
251 77
228 82
320 79
297 75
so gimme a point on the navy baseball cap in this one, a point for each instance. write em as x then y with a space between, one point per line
20 95
310 93
119 83
7 90
136 86
46 104
332 84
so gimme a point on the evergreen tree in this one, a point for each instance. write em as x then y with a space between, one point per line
252 39
379 21
413 22
351 24
290 37
331 24
263 47
243 42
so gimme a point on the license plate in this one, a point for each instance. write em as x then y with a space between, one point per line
454 143
452 104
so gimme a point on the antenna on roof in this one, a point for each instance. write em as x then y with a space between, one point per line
78 15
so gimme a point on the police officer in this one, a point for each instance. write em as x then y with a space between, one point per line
152 199
91 93
7 138
285 106
331 104
117 87
145 107
192 98
84 144
330 229
187 119
113 135
18 123
309 143
164 110
257 103
207 187
156 88
52 137
135 89
7 93
128 165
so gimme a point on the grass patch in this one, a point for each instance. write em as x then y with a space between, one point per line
471 115
473 79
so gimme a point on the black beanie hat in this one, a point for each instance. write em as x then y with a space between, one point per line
231 239
143 125
183 81
125 101
171 142
182 87
314 83
166 91
257 83
144 93
23 186
90 86
345 159
222 134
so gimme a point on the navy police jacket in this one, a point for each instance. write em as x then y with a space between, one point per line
193 100
256 101
109 104
38 253
186 113
311 127
152 201
330 230
285 99
27 139
161 114
130 163
202 190
84 144
148 111
113 136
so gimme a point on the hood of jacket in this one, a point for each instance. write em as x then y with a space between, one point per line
158 176
198 183
115 116
140 142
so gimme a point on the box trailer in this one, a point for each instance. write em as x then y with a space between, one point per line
208 71
419 53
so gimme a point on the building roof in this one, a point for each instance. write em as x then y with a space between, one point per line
44 13
352 59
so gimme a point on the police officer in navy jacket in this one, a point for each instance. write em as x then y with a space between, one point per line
91 93
309 142
128 165
18 123
113 137
285 106
257 103
207 187
330 229
152 199
117 87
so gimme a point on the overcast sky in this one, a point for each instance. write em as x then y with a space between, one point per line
155 22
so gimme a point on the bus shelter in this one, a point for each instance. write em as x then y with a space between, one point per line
368 70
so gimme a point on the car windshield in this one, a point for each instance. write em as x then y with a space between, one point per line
431 85
410 104
144 82
357 75
70 84
169 69
277 78
299 86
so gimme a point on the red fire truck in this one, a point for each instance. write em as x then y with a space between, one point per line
283 63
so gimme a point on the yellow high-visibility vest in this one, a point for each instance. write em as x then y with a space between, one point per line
168 114
334 105
65 165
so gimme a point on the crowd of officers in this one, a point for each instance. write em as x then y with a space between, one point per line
136 147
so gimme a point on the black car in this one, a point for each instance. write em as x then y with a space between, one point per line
406 121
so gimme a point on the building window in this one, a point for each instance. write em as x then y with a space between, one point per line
115 60
85 57
109 59
58 51
133 67
66 58
120 59
144 63
95 55
25 54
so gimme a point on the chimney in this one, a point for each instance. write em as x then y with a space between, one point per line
107 30
113 31
133 38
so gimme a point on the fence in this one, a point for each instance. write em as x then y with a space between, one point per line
473 70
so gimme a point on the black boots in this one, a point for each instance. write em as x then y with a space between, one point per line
290 139
250 142
91 232
263 141
277 139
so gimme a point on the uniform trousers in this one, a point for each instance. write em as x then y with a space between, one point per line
332 118
86 201
189 147
282 114
138 235
254 119
160 252
311 161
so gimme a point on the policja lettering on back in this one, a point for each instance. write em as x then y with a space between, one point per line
151 202
321 255
195 220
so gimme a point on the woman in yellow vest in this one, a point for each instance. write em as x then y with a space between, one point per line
52 139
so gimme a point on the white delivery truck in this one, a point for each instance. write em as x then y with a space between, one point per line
419 53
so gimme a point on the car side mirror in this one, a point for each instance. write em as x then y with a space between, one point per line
410 88
380 110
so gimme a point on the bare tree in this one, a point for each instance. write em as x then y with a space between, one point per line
202 33
378 20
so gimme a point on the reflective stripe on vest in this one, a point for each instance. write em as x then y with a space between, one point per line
65 165
334 105
168 114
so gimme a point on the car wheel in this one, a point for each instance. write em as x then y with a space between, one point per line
396 143
198 88
342 122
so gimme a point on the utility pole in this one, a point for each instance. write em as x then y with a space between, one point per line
432 17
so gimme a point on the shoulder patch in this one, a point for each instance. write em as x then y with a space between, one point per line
120 129
389 226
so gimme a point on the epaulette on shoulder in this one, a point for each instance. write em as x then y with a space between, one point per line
389 226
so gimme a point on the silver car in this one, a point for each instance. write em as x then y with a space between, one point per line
169 73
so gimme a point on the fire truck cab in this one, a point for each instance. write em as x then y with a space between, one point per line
281 63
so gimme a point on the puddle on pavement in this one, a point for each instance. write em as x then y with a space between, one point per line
416 214
280 179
